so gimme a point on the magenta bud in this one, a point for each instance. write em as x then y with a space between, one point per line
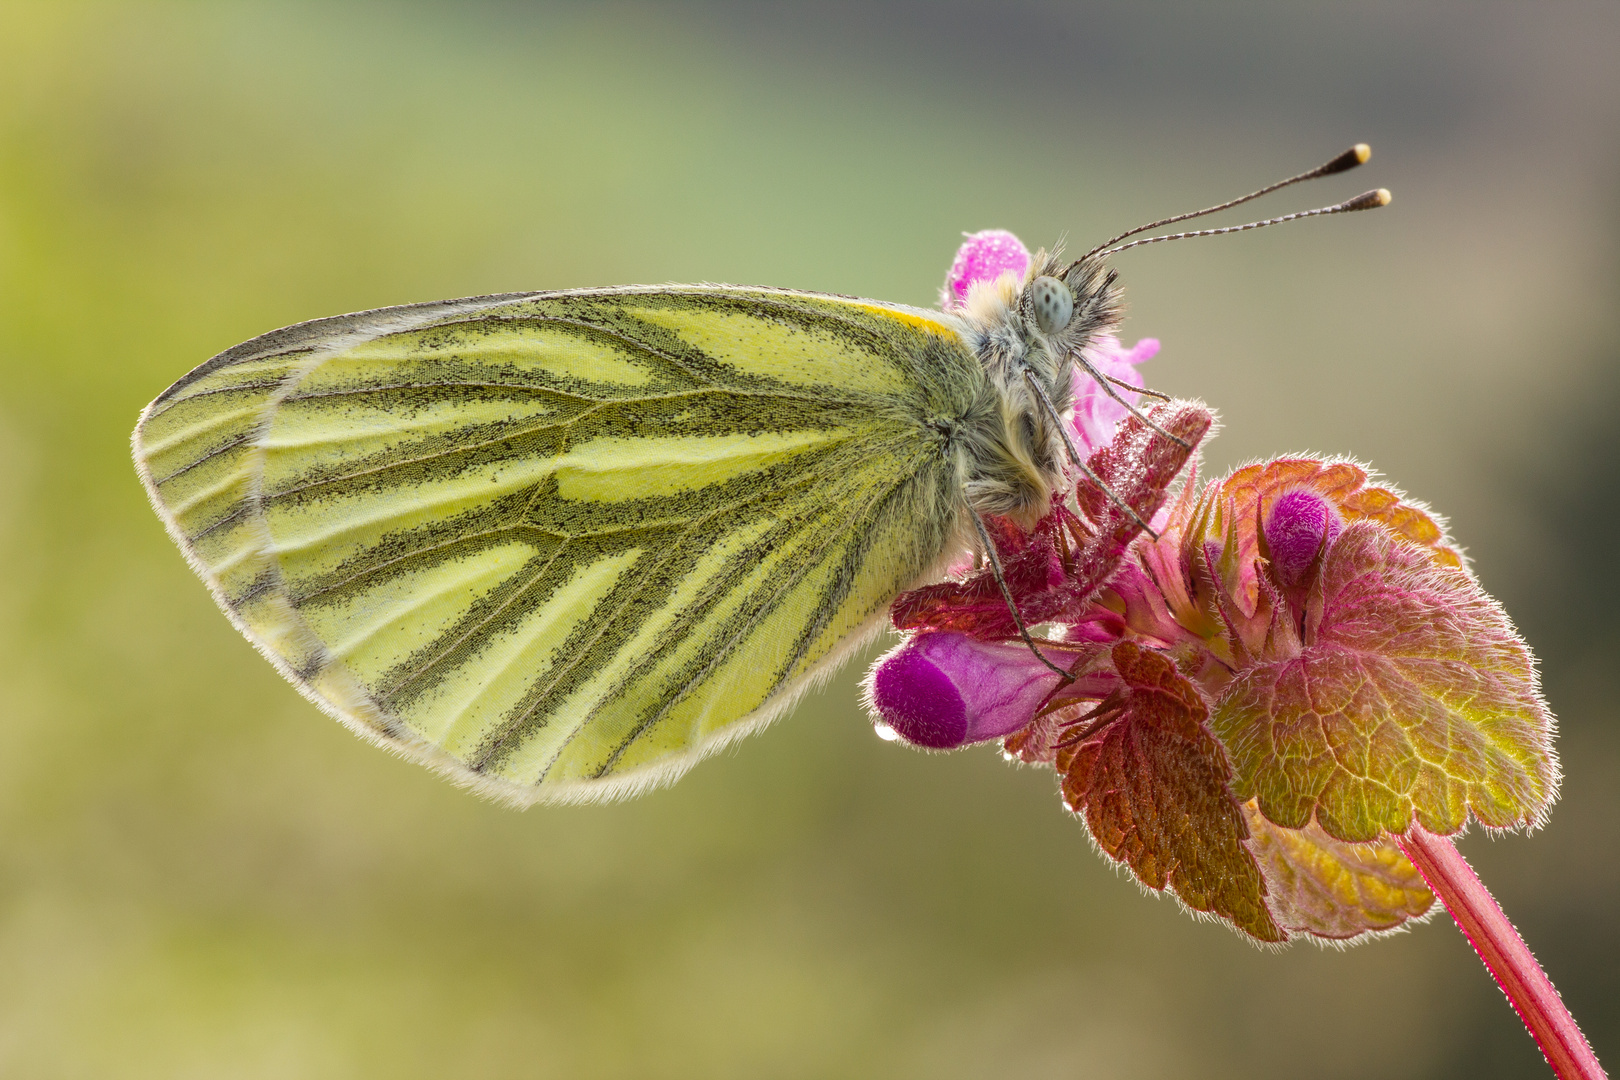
942 690
1300 525
983 256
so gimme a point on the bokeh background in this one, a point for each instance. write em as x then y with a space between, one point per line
201 876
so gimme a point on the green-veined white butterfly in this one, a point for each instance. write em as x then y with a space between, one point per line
562 545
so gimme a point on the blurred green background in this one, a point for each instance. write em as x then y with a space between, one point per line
201 876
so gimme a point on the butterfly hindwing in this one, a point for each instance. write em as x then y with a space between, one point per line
562 545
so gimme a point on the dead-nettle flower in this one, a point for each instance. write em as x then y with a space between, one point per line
1277 708
1297 672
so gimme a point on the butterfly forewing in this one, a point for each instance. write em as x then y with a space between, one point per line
564 544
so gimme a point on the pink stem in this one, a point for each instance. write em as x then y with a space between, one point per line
1505 954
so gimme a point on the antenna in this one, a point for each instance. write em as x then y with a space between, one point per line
1370 200
1356 155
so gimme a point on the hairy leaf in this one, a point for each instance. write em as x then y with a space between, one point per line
1152 785
1330 889
1412 699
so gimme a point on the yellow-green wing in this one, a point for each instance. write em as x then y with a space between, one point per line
563 545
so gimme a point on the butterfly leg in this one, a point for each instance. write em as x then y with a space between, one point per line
1079 462
1006 594
1103 382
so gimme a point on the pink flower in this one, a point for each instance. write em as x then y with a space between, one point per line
1096 415
983 256
1266 693
1298 670
1300 525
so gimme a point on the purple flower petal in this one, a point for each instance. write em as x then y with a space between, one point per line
918 701
942 690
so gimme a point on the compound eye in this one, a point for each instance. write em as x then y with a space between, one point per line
1054 304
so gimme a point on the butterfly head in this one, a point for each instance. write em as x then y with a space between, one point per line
1063 306
1026 332
1039 322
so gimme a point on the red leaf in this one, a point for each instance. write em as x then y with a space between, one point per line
1151 783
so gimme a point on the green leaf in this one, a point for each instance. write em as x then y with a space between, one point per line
1152 785
1330 889
1413 698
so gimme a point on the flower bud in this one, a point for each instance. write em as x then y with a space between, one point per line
1300 524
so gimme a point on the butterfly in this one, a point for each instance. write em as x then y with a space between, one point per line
560 546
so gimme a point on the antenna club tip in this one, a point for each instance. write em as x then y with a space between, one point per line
1356 155
1367 200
